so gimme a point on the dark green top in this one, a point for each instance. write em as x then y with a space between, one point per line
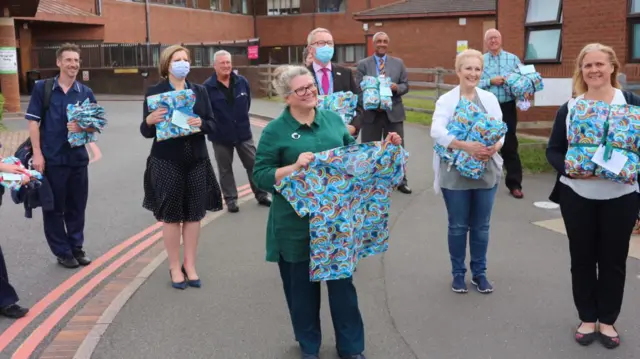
281 142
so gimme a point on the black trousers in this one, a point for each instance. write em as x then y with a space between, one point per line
509 151
379 129
64 226
8 295
303 300
599 233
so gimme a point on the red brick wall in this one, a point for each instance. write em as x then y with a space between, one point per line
584 21
428 43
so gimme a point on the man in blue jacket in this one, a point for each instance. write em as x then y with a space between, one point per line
230 98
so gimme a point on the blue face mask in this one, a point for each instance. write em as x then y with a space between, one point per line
324 54
180 69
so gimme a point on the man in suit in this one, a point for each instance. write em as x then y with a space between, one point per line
330 77
374 125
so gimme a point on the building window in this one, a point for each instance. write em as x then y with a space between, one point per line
239 7
215 5
332 5
634 30
543 36
349 53
283 7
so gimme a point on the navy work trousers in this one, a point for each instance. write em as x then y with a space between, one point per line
8 295
64 226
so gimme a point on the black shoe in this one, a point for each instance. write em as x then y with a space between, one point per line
14 311
610 342
233 208
81 257
264 202
310 356
357 356
70 262
585 339
404 189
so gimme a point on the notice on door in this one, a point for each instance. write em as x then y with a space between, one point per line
8 60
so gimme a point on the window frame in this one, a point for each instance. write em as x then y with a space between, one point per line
633 18
530 27
317 8
280 8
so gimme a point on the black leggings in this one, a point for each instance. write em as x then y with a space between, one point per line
599 233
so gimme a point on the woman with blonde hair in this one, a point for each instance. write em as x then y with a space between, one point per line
287 144
179 182
469 201
598 214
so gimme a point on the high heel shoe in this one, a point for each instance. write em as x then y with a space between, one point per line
177 285
192 283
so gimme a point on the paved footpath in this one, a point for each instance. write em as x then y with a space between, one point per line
405 297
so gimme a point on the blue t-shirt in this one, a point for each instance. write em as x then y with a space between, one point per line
53 131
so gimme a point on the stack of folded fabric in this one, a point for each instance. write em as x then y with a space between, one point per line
179 105
469 123
342 103
370 93
88 116
623 137
14 181
518 85
385 101
615 128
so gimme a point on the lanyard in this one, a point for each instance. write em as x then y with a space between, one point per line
319 80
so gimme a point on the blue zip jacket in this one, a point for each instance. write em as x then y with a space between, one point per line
232 119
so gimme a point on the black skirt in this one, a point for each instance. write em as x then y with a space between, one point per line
181 191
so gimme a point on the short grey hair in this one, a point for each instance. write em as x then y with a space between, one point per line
486 33
315 31
380 33
283 76
221 53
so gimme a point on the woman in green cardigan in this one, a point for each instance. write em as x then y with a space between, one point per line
286 145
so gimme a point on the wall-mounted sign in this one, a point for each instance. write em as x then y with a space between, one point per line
462 45
85 75
125 71
8 61
252 51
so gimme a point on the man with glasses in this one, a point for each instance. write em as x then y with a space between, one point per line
497 65
330 77
376 124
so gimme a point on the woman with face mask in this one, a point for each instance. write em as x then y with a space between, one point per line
179 182
598 214
469 201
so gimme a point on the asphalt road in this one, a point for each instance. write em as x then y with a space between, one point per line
114 211
405 297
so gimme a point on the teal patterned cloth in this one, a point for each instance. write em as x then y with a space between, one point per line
16 184
88 116
179 104
346 193
342 103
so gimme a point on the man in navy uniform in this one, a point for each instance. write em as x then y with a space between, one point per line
65 168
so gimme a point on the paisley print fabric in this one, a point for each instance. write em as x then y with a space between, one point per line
345 192
88 116
370 92
385 101
342 103
174 101
517 85
16 184
469 123
595 123
623 136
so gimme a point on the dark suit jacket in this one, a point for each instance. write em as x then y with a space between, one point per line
397 72
343 80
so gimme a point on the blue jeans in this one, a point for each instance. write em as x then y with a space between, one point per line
469 211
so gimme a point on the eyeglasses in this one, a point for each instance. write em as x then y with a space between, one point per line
322 43
301 91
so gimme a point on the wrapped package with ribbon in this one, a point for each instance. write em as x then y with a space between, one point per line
385 93
469 123
587 129
88 116
179 106
13 181
518 84
370 93
342 103
620 153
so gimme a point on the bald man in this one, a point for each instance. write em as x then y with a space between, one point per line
497 65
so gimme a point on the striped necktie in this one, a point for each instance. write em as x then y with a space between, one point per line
381 67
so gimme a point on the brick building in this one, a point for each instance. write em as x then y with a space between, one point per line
550 33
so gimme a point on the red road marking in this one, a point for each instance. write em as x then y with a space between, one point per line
31 343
